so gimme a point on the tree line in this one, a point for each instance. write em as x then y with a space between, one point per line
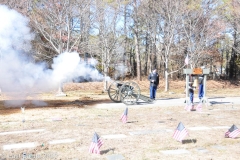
131 37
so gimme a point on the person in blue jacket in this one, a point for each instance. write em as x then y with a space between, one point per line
191 89
154 81
200 89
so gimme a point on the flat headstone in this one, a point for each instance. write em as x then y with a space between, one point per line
56 119
24 131
18 145
115 157
62 141
168 130
177 151
198 128
219 147
9 123
202 150
146 132
48 120
229 109
221 127
114 136
219 117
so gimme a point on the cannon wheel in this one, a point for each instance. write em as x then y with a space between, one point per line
113 92
129 92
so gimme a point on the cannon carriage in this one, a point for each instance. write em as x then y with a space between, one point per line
128 93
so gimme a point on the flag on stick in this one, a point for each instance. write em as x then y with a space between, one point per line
189 106
180 132
124 116
186 107
232 132
186 60
96 144
199 107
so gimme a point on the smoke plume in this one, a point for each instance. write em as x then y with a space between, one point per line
20 77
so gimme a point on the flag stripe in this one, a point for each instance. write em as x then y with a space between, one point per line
124 118
179 135
199 107
94 148
234 134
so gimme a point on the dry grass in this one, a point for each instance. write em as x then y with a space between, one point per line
79 120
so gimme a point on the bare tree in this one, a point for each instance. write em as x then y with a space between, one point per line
109 32
230 12
58 24
136 30
201 30
168 15
21 6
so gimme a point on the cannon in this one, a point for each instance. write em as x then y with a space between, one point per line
128 93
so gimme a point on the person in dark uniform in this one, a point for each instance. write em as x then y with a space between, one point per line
191 94
200 91
154 81
201 85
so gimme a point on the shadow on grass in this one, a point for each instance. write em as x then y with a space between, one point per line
132 121
215 97
189 141
216 102
107 150
14 106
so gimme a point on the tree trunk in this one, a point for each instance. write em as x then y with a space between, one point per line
146 57
137 57
166 76
232 67
149 62
154 55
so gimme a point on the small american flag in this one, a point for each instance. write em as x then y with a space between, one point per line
124 116
188 107
96 144
232 132
199 107
180 132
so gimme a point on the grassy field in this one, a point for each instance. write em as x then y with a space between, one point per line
147 135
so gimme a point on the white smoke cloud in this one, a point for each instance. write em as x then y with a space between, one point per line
14 32
20 77
120 70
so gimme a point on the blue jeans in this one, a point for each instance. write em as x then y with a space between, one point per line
153 90
200 91
191 95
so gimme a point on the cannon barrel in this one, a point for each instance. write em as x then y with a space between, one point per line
119 84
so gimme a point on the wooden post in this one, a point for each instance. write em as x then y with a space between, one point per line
187 88
187 72
205 73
